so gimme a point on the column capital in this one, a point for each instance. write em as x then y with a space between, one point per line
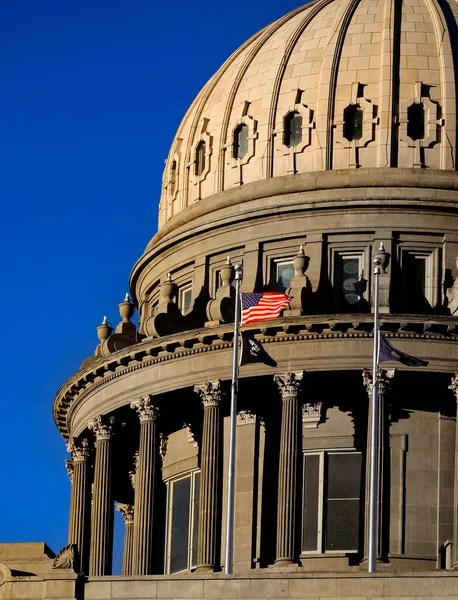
384 378
102 430
454 385
79 449
145 408
210 392
127 511
70 467
289 383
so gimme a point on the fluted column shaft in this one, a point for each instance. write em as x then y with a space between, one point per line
80 502
127 511
143 547
290 453
209 502
384 378
101 554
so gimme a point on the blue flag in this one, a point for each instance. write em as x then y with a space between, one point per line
387 352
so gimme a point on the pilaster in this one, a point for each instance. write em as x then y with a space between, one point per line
288 475
454 387
210 477
127 511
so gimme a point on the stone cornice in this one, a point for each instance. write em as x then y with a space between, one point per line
191 343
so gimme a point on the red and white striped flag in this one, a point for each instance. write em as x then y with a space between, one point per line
262 306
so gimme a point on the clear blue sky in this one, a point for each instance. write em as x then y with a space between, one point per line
84 131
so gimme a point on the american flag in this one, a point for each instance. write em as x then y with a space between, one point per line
262 307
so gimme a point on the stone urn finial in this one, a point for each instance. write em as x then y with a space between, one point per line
104 330
300 262
126 309
168 288
383 256
227 273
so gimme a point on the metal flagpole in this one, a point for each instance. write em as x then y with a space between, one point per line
233 428
374 455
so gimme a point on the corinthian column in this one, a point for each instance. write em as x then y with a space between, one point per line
80 502
210 479
143 548
101 554
290 453
383 485
454 387
127 511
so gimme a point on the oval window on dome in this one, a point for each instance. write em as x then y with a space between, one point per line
353 123
241 141
201 151
293 129
416 121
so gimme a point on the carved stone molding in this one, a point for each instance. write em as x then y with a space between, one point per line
311 414
245 417
454 385
69 466
210 392
79 449
145 409
101 429
163 441
289 383
127 511
384 378
5 573
65 558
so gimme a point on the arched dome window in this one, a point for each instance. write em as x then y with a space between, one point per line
173 178
293 129
416 121
353 123
201 151
240 147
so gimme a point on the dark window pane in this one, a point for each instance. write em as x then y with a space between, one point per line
353 123
350 280
342 527
414 283
344 475
241 141
180 525
416 121
285 272
310 502
173 177
195 528
200 158
293 129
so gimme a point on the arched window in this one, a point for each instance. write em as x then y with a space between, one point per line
240 141
416 121
201 151
173 178
293 129
353 123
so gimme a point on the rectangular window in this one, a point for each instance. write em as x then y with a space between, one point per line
283 272
331 502
182 523
417 288
185 298
349 281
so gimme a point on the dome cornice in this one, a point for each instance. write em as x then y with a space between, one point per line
316 328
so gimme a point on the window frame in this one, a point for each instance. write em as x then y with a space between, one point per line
193 506
276 262
323 497
337 277
182 290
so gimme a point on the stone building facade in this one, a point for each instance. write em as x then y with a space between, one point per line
328 133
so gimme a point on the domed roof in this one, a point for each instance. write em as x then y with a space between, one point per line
335 84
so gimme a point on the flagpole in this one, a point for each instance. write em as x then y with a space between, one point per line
233 428
374 446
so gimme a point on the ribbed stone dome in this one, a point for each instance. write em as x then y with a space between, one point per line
335 84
